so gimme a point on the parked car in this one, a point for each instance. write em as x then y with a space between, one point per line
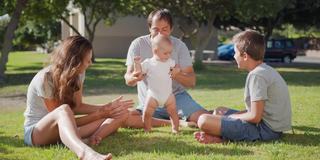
280 49
226 52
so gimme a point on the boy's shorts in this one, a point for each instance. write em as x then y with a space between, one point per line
185 107
28 134
238 130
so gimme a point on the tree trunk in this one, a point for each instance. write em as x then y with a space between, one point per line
9 35
70 25
201 39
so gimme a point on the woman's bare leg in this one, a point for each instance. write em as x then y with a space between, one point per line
172 111
107 127
60 124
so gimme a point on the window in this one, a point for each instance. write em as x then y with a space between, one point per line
278 44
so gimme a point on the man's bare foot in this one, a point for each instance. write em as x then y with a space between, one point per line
190 124
205 138
90 154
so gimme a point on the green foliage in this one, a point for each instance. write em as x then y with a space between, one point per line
34 33
289 31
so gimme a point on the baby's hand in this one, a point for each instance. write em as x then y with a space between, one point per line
137 59
174 71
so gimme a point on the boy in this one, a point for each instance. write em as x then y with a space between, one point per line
268 108
159 82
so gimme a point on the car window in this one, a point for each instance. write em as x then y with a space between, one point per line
269 44
278 45
289 44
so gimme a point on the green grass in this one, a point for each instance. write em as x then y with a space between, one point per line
216 86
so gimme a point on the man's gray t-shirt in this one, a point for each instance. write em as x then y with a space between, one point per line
38 90
265 83
141 46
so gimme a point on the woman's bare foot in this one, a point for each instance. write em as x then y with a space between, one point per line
205 138
90 154
95 140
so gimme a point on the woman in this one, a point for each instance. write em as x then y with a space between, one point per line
55 95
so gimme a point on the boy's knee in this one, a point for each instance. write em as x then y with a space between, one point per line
203 121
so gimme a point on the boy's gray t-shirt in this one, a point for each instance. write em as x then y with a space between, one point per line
38 90
141 46
265 83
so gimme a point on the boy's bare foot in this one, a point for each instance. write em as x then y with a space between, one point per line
205 138
92 155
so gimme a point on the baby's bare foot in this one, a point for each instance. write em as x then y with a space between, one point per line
147 130
175 131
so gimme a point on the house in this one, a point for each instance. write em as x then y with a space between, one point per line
114 41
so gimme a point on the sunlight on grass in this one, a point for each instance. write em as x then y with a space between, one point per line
216 86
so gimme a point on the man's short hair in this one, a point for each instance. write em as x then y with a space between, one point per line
251 42
162 14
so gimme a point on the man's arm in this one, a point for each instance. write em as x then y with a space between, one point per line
184 76
253 116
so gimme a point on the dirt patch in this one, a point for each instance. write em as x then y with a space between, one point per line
16 102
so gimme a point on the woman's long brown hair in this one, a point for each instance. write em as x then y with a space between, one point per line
66 61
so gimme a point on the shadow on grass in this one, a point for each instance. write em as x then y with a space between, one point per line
106 77
35 67
126 143
307 129
18 79
9 141
302 139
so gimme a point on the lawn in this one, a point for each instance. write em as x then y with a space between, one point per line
216 86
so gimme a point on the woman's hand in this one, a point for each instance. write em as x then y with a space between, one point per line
116 108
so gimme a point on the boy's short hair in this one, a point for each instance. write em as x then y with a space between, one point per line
162 14
251 42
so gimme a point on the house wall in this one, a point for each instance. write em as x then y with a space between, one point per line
114 41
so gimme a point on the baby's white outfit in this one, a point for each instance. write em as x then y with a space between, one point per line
159 82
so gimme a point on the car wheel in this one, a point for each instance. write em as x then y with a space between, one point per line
287 59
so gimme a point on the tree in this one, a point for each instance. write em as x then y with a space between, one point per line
96 11
32 33
194 18
9 35
304 15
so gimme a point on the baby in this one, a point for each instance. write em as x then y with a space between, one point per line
159 82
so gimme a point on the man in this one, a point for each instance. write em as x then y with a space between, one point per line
160 22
